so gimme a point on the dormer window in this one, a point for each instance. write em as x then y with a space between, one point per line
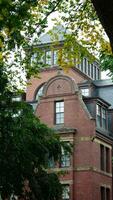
85 92
101 118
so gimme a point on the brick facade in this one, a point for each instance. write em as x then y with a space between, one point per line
84 175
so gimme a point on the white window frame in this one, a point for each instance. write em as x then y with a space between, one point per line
39 93
59 112
66 192
48 57
55 57
65 160
85 92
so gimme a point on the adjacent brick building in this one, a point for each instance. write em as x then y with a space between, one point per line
79 106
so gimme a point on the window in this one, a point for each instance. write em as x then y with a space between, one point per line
39 93
48 57
34 58
98 110
89 69
102 167
78 66
55 57
85 65
98 73
66 192
104 158
101 119
34 105
95 74
82 65
59 112
102 193
105 193
51 162
85 91
17 98
65 159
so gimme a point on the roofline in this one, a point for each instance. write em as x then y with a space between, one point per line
97 98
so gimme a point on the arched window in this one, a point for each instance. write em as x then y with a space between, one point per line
39 92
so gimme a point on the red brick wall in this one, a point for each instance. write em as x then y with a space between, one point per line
44 76
84 174
87 185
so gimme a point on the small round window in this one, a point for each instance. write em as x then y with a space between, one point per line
39 93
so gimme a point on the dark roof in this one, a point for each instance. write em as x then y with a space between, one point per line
103 89
59 31
104 82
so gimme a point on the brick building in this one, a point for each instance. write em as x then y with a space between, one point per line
79 106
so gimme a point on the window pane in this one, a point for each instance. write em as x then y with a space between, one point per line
82 65
107 160
59 112
92 70
65 193
51 162
102 157
98 73
59 118
59 107
48 57
85 65
103 193
65 157
55 57
34 58
65 160
39 93
103 118
98 112
85 92
95 73
88 68
107 194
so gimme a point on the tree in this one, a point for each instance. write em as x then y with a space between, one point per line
25 148
26 143
80 17
104 12
21 23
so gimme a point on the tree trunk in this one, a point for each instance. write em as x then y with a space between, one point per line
104 10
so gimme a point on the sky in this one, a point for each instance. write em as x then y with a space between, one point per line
104 75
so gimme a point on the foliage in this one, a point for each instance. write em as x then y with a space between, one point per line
25 144
86 32
107 63
80 17
21 23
